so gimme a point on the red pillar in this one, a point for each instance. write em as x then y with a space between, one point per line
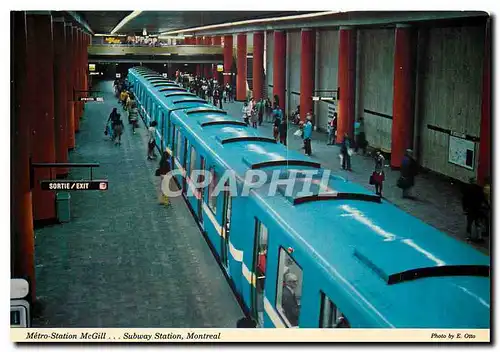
306 71
279 67
216 40
228 58
41 82
60 100
402 106
199 40
22 238
80 71
258 65
241 67
347 82
484 162
69 86
76 44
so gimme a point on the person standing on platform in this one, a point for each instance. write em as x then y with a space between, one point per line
409 170
473 200
378 176
332 129
260 106
254 118
117 129
345 152
268 110
278 116
219 91
359 132
283 130
152 140
308 134
245 113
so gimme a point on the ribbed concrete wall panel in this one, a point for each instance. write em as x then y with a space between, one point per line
328 71
375 84
450 94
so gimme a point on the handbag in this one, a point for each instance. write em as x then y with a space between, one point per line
372 179
401 182
349 151
157 172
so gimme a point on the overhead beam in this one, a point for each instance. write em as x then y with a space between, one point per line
78 19
389 18
125 20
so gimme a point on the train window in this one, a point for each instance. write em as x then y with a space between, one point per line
289 289
178 148
192 162
331 316
212 200
168 131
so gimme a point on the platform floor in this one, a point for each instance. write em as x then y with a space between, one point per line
124 260
438 202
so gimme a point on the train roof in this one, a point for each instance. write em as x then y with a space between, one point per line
394 263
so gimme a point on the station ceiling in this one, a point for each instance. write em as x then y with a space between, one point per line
161 21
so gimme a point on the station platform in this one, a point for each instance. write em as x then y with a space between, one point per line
124 260
438 201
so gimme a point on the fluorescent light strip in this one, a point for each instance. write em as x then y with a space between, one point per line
109 35
131 16
246 22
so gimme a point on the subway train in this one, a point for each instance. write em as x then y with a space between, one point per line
336 259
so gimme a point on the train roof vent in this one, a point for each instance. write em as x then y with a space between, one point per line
166 84
205 110
180 94
161 81
281 162
337 196
247 139
222 122
171 89
382 269
190 101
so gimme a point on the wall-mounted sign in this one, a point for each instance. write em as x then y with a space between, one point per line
94 73
91 67
113 40
220 68
101 99
461 151
81 185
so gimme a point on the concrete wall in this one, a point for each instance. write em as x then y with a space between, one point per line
449 93
269 63
375 58
328 58
293 79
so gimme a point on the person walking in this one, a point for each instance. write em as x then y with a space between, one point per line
378 176
113 116
164 168
133 116
117 126
152 140
308 127
345 152
409 170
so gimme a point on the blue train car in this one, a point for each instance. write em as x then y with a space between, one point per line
338 256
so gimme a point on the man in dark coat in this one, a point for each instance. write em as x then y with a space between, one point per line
473 200
409 170
289 299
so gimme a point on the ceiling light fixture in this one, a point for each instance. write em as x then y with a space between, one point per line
123 22
246 22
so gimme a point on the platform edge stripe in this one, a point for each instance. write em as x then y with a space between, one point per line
273 315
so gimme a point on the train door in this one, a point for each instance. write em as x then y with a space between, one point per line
226 225
162 129
201 191
259 268
184 162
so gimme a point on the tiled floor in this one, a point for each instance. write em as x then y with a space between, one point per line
124 260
